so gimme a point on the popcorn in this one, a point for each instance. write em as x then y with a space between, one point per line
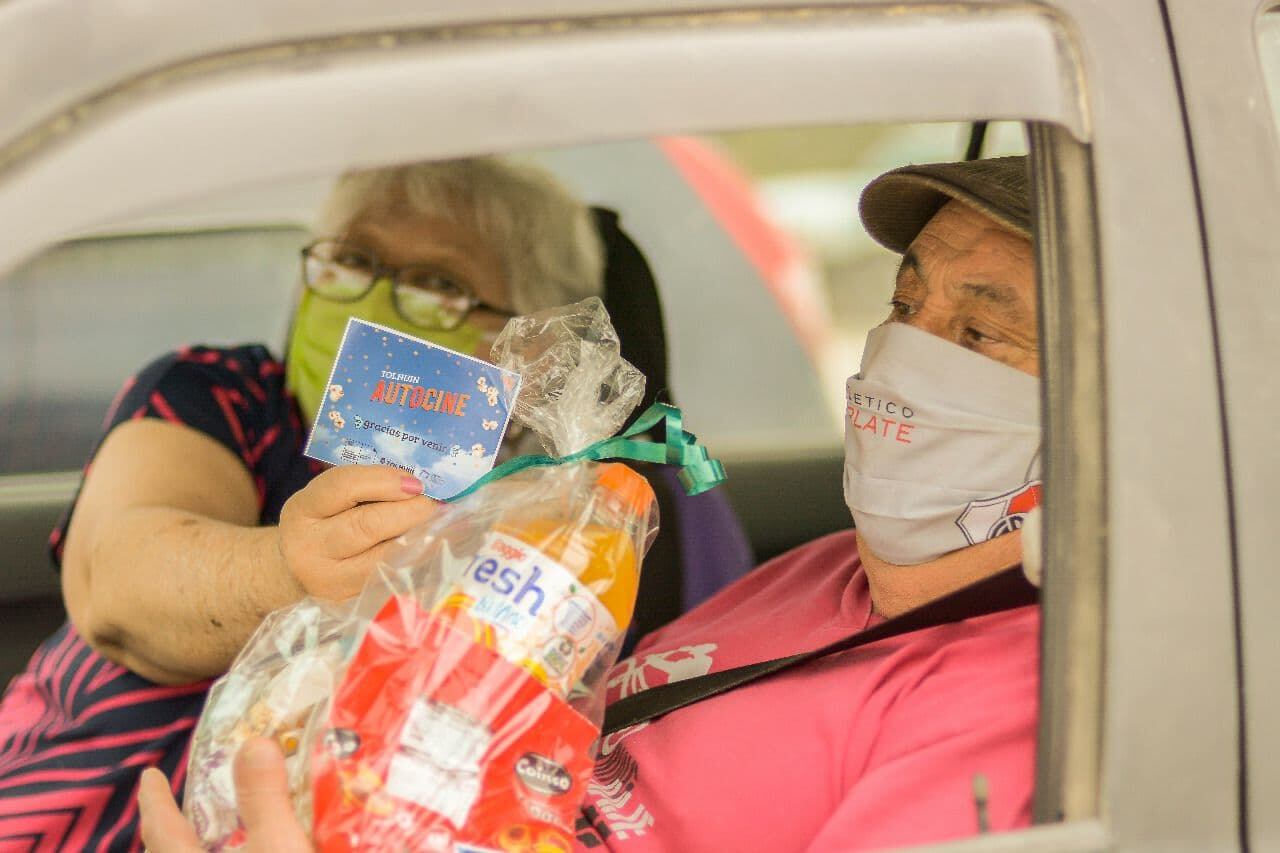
338 420
336 392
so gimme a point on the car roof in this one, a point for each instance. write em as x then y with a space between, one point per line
124 39
193 107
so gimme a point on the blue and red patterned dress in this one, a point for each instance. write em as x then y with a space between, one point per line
76 730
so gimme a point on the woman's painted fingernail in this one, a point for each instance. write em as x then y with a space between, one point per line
411 485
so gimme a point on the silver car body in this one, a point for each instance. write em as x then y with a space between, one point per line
1158 168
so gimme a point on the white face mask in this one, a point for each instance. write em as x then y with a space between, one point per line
942 446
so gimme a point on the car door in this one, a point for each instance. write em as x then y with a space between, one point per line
1228 59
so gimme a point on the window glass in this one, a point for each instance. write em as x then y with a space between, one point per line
809 183
753 236
78 320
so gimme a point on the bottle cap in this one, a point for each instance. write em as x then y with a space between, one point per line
633 489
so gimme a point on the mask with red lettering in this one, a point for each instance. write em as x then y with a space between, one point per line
942 446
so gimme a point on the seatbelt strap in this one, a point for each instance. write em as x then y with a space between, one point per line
1002 591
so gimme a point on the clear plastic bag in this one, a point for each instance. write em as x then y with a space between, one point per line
278 687
575 386
456 701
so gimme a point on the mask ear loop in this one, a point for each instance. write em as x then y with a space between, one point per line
1032 564
291 325
291 328
1035 457
299 288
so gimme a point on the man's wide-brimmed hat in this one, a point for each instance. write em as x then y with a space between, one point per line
896 205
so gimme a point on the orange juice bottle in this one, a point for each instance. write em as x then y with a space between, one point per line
553 584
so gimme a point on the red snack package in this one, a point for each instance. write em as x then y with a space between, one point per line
435 740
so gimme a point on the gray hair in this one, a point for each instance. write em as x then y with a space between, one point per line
551 252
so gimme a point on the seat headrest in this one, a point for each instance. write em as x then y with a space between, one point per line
631 298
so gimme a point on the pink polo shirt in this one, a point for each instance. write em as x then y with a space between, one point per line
871 748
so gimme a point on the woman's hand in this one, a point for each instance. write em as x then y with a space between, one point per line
262 791
334 531
167 571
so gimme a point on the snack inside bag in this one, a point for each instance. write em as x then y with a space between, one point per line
279 683
455 704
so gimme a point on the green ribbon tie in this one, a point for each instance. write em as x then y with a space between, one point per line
698 471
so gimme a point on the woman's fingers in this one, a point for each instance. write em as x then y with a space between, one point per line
361 528
346 486
342 578
339 517
262 793
164 829
364 565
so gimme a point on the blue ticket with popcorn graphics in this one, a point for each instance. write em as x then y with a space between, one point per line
394 399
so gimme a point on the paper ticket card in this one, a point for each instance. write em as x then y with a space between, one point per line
394 399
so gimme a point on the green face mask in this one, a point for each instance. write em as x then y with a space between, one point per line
318 325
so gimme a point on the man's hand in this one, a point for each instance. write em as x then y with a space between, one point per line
334 531
262 791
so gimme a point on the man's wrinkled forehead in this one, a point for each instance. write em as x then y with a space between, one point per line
963 226
961 234
976 258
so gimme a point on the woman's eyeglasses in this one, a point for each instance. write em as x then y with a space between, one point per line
423 295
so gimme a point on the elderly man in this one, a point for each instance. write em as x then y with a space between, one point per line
883 745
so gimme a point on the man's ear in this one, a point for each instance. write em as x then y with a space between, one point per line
1031 553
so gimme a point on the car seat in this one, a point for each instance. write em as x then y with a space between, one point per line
670 582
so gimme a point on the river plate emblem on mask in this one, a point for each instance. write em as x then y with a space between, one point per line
992 517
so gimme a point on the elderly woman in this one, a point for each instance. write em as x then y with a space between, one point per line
199 514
